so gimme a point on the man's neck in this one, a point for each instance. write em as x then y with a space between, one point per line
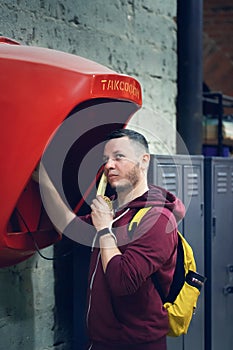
127 196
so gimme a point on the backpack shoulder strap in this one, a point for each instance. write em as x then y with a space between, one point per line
138 217
189 260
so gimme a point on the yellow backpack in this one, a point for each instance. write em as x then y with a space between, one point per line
186 285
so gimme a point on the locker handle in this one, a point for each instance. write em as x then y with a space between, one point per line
230 269
228 289
214 225
202 209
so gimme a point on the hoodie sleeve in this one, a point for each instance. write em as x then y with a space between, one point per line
152 247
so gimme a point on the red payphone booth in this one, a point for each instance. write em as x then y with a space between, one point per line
41 90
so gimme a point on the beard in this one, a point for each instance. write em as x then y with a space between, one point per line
131 179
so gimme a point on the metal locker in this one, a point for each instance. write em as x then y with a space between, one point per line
183 176
219 256
193 177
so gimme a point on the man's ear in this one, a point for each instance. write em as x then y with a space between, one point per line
145 160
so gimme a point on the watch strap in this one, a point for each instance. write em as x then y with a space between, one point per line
103 232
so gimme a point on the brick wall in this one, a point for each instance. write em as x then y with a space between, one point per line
132 37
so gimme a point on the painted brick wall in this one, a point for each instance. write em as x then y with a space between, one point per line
134 37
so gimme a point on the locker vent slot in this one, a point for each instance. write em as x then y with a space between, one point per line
193 189
169 182
221 182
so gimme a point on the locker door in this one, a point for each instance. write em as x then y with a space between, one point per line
183 176
194 233
170 177
168 174
222 256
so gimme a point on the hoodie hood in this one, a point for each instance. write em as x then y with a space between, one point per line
160 197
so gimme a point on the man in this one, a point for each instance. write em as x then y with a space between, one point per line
124 308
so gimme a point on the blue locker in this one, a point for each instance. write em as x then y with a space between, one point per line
219 252
183 176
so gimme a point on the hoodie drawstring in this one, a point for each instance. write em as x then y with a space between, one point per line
98 259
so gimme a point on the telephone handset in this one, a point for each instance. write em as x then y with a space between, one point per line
102 188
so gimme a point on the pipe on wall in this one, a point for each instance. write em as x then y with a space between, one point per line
190 75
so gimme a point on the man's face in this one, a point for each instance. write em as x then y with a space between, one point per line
122 163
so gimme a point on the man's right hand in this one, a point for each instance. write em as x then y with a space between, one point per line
101 214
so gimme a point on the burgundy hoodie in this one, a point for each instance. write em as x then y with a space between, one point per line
124 307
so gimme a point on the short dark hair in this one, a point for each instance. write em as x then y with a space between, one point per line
131 134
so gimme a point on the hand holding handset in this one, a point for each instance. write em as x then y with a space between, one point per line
102 188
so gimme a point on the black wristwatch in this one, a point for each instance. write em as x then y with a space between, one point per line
103 232
106 231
